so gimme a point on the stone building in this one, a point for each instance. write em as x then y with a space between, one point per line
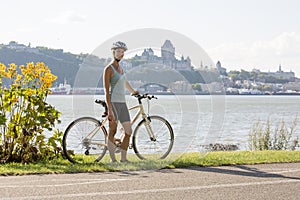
167 58
281 74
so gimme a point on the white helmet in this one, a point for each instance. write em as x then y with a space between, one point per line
118 45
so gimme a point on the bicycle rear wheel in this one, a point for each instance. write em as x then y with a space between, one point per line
157 147
84 141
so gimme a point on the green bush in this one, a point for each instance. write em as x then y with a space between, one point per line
25 114
262 138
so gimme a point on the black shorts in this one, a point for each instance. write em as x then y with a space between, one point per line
121 112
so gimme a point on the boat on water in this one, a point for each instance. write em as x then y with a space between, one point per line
249 92
61 89
287 92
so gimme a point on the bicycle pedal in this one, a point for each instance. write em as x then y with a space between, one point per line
130 146
118 150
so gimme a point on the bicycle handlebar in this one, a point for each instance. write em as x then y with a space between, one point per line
144 96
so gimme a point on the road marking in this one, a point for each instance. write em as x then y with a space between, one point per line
94 181
61 196
286 171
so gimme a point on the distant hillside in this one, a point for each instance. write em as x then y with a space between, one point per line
201 76
66 66
62 64
154 73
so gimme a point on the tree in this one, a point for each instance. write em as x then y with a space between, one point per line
197 87
234 75
244 75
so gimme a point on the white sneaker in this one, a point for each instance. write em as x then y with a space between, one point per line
118 150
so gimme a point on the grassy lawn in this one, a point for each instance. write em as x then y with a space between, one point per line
173 161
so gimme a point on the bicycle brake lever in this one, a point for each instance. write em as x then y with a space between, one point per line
152 97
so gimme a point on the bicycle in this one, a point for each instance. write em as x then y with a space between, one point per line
85 139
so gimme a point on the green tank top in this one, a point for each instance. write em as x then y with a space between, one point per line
117 86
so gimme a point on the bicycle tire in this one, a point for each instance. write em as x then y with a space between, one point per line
144 147
90 150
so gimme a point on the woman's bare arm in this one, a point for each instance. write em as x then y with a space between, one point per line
106 83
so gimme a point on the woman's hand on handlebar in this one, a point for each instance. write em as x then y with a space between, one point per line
135 92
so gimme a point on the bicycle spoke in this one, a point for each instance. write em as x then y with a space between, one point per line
84 140
162 142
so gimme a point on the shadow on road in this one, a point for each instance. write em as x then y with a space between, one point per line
242 170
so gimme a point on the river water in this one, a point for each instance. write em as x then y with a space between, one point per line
197 120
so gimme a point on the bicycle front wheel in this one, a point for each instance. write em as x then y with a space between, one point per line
153 138
84 140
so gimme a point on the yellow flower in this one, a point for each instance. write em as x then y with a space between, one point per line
12 67
19 77
7 75
3 70
30 65
40 65
12 71
15 100
2 67
15 85
40 71
3 73
30 92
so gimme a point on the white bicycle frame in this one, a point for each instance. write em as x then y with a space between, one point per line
144 117
135 118
88 138
140 112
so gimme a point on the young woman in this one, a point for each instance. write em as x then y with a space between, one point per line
115 82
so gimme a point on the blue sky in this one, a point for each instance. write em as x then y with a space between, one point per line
240 33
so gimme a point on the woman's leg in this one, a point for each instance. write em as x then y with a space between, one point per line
112 129
125 139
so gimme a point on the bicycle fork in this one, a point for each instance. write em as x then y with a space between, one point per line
149 129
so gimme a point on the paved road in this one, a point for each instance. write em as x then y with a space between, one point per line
270 181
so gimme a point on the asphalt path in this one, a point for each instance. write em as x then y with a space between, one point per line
265 181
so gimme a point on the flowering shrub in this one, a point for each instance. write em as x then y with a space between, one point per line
25 114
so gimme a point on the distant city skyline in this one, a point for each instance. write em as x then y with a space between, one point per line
144 54
260 34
